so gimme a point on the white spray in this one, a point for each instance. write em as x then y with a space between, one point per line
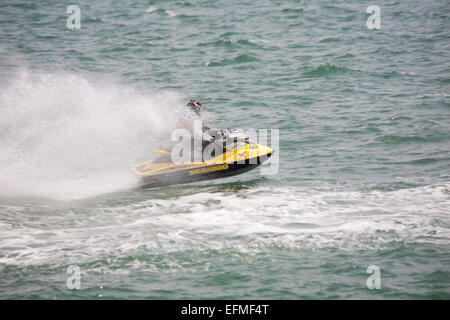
63 136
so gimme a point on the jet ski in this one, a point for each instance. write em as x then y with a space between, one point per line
236 155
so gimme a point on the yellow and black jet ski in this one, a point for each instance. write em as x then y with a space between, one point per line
237 155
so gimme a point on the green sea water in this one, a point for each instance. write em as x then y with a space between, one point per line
363 155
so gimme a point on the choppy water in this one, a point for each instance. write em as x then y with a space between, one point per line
364 149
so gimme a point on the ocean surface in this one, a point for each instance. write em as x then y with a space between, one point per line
358 202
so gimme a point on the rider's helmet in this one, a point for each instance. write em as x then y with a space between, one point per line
195 105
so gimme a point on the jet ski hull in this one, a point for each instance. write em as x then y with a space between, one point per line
209 172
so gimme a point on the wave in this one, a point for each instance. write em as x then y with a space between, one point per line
217 43
228 43
295 11
240 59
398 139
325 70
395 73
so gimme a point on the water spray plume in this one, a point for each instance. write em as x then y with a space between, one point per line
66 136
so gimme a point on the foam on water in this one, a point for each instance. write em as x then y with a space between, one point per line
249 222
67 136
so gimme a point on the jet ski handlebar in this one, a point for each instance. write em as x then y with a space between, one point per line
227 136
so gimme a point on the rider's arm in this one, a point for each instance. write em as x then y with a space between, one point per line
205 127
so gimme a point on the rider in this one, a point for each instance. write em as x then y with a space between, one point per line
188 121
190 116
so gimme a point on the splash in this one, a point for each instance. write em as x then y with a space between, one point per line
66 136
